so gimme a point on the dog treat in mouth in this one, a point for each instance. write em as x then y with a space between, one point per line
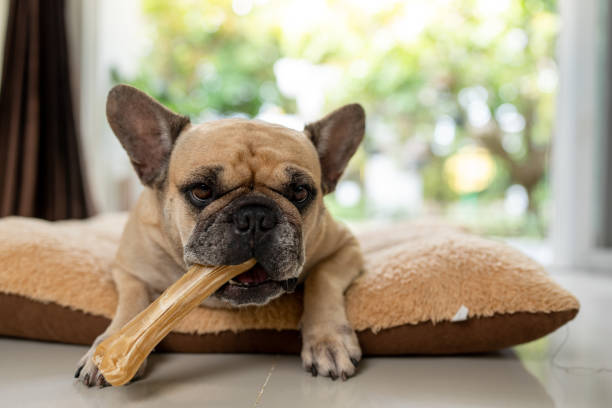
120 355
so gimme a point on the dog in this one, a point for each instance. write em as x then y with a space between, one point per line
224 191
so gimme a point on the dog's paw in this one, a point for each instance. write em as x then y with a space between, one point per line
88 374
331 351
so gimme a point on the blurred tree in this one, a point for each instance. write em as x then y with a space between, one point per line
435 76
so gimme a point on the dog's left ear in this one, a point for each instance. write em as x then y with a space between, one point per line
146 129
336 138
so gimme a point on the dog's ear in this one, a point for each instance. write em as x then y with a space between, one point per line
336 138
146 129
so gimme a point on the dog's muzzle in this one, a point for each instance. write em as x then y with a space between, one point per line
251 226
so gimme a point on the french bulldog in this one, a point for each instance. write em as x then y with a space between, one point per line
224 191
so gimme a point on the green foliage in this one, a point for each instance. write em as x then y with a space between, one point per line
407 62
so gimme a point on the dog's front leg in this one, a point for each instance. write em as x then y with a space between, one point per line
133 297
329 344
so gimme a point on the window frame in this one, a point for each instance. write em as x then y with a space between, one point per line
578 158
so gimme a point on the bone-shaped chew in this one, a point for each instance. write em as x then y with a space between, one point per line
119 356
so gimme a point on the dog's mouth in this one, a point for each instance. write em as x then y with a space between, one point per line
253 277
254 287
258 276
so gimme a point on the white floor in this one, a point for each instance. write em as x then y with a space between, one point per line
570 368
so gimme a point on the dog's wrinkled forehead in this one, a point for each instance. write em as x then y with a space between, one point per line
246 151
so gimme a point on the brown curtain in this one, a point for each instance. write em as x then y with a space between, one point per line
40 169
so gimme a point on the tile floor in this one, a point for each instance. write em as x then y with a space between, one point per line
570 368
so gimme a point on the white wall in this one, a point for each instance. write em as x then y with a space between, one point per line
104 34
3 19
577 140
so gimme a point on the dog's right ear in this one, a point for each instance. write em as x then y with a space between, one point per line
336 138
146 129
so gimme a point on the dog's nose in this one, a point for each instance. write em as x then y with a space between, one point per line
254 218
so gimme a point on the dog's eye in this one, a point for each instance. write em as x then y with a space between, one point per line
300 193
200 194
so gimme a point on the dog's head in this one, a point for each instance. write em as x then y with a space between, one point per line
235 189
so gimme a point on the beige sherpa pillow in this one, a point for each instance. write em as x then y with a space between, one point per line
426 290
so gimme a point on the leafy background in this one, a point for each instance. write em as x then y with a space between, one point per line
459 94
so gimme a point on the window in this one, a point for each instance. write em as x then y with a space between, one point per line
465 100
581 152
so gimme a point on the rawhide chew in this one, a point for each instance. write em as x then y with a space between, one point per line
119 356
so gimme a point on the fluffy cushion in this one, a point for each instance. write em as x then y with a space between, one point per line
427 289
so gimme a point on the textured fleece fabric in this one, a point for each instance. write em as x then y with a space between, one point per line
414 274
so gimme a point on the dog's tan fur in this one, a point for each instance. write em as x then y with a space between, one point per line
254 157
